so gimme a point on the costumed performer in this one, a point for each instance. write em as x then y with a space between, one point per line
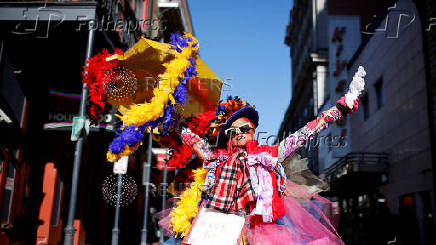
246 177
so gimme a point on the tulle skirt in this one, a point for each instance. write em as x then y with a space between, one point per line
309 220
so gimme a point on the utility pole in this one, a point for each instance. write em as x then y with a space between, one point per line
69 229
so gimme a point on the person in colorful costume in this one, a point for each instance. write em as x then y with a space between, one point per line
249 178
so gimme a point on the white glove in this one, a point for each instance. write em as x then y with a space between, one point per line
356 87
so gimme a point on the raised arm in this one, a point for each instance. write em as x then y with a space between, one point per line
198 145
296 140
347 104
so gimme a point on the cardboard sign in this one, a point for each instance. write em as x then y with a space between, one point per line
120 166
212 227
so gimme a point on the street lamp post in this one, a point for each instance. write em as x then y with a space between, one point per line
146 183
69 229
116 230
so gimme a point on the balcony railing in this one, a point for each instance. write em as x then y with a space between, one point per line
358 162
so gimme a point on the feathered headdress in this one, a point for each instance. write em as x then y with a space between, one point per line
228 111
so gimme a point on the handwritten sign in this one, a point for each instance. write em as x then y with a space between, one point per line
216 228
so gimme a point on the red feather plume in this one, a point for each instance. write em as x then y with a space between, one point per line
93 76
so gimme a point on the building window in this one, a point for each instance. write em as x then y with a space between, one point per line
365 106
380 93
345 205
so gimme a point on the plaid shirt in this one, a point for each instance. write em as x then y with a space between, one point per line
232 190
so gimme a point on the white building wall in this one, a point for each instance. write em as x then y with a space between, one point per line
350 42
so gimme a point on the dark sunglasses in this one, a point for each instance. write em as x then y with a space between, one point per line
244 128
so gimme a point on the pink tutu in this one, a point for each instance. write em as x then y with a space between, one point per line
310 219
165 218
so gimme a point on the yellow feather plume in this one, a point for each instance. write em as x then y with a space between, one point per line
187 207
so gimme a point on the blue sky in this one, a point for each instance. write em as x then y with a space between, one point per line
244 40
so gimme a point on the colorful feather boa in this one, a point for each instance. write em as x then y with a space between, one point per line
163 105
